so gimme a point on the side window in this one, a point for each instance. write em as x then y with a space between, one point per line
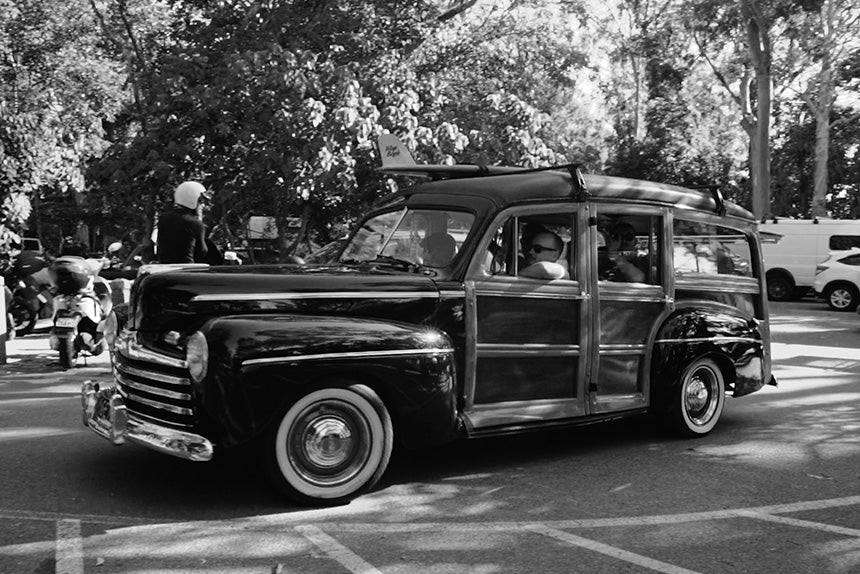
709 249
850 260
628 248
844 242
537 246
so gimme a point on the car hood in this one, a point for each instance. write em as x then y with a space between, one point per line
182 300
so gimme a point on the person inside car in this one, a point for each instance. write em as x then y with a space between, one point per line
540 257
439 249
620 260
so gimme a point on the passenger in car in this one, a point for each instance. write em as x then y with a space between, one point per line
541 255
620 261
439 249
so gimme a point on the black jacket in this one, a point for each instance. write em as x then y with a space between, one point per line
181 237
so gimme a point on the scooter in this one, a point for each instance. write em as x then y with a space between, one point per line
81 305
27 281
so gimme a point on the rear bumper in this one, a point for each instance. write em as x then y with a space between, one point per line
104 412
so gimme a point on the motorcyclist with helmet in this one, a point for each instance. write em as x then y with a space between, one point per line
181 233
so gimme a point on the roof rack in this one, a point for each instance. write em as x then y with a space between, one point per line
719 200
397 160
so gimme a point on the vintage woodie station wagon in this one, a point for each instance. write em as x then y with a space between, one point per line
487 301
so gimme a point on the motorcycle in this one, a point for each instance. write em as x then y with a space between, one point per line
81 305
30 296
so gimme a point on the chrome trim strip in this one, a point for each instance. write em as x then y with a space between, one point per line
618 349
280 296
153 376
573 295
127 346
157 404
487 350
150 389
451 294
346 355
715 339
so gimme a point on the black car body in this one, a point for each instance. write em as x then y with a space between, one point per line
327 366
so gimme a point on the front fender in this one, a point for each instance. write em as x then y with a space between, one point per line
734 341
260 364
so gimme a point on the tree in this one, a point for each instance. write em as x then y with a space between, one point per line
57 86
741 36
826 33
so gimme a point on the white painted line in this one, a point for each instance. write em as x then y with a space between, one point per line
69 552
612 551
337 551
801 523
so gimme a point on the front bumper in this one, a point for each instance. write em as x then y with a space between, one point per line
105 413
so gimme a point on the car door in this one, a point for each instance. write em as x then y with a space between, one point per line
527 338
631 297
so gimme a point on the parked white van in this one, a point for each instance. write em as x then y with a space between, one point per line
790 263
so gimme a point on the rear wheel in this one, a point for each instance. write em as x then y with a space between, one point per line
698 401
68 353
779 288
841 296
330 446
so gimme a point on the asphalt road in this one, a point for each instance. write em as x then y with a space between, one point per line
775 488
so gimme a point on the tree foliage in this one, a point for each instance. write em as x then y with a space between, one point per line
276 105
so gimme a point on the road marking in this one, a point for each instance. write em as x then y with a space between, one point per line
337 551
69 551
611 551
801 523
279 520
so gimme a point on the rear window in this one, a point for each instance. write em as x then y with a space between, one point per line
851 260
708 249
844 242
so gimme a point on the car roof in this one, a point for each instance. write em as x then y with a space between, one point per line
513 188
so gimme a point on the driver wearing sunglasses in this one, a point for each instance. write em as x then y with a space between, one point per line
540 256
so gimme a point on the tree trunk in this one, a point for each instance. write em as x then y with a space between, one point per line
760 148
821 107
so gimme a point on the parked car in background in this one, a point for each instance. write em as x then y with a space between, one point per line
790 263
837 280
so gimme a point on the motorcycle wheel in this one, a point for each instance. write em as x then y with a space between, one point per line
68 352
23 315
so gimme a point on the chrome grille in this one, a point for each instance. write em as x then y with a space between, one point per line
154 388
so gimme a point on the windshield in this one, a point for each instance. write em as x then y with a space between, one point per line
429 237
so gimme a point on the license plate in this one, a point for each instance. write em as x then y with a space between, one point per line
66 322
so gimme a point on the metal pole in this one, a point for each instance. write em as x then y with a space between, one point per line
3 325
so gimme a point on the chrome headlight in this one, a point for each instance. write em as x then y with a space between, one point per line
111 329
197 356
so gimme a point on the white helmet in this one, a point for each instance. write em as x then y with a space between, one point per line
188 194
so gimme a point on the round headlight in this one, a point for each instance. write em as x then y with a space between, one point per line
197 356
110 330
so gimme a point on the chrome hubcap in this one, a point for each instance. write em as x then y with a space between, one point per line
329 443
700 400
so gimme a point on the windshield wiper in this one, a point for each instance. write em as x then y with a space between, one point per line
410 265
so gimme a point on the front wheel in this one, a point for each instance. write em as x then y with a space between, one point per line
68 352
330 446
698 400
